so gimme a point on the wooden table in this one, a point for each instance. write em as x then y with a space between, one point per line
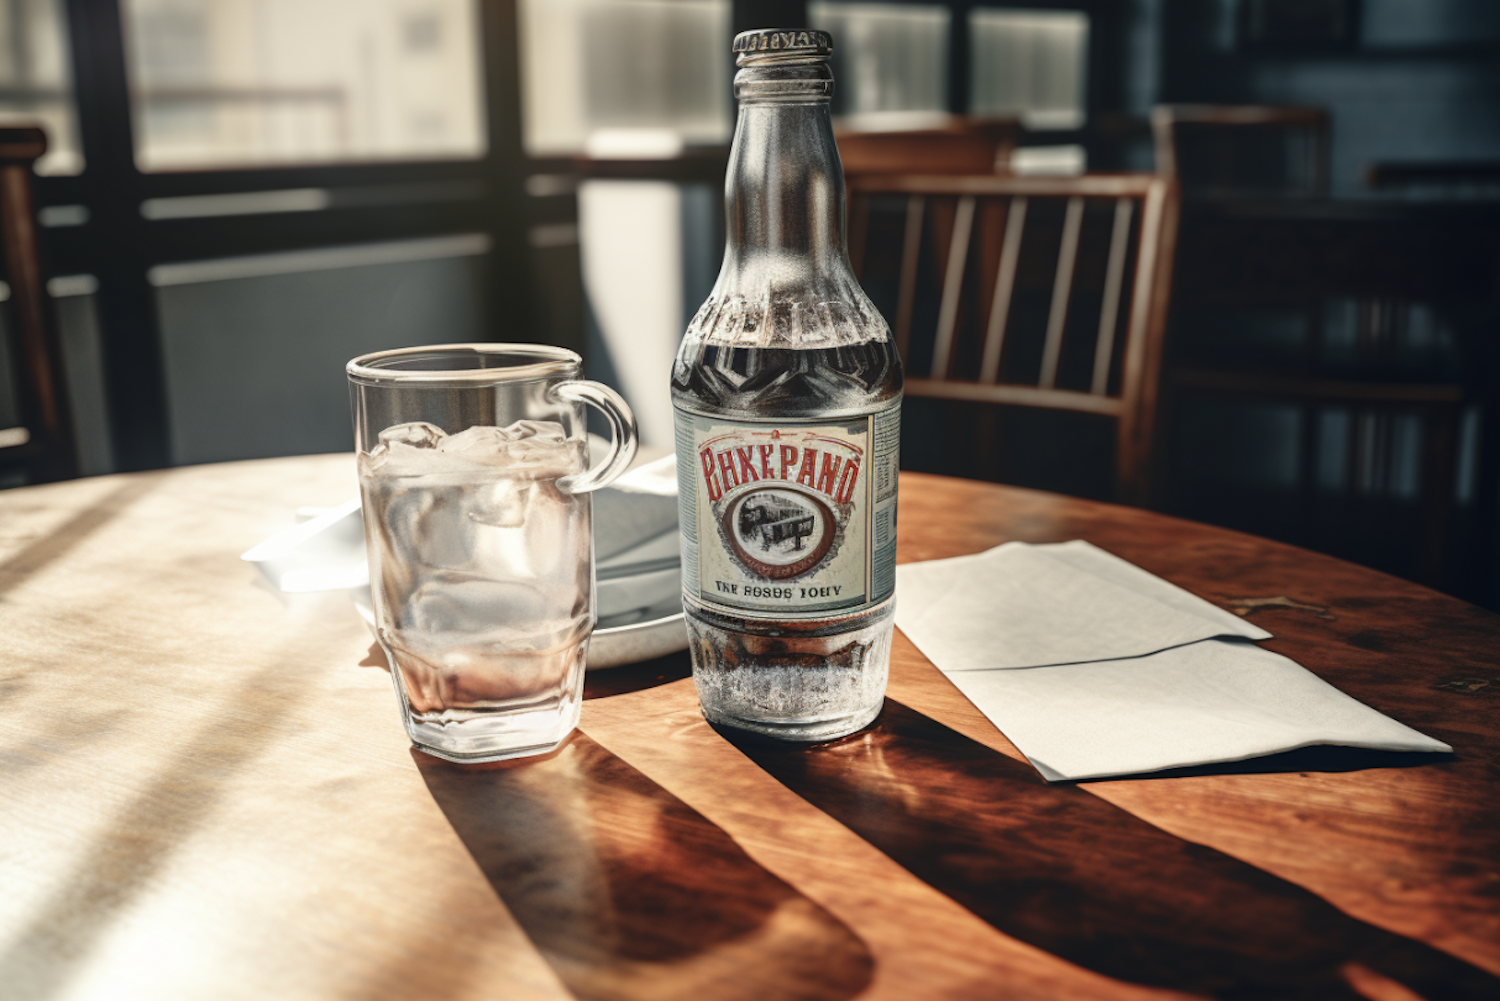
207 794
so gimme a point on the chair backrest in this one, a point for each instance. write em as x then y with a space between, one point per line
1375 327
953 145
42 446
1022 263
1235 150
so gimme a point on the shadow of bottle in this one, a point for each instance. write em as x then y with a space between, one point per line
1065 871
630 893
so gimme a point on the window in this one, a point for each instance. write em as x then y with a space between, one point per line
218 83
36 79
889 60
314 177
1029 63
624 77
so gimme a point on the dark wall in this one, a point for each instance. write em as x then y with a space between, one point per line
1405 81
751 14
1412 79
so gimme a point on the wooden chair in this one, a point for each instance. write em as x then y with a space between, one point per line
953 144
1381 265
1221 153
42 447
1053 242
1237 150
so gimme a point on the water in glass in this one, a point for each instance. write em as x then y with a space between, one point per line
481 571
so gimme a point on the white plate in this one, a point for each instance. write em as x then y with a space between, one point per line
616 646
638 593
626 638
640 611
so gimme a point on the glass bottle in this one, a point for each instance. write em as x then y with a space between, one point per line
787 399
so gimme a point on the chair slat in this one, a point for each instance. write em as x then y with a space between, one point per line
1144 233
858 225
1005 284
958 255
912 246
1114 274
1062 289
43 446
1007 185
1007 394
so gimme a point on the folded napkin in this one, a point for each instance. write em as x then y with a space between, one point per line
1094 667
324 553
1027 606
637 556
637 510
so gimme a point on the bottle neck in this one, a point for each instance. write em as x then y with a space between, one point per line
786 280
784 191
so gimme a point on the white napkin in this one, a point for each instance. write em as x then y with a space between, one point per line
1019 605
324 553
637 554
636 510
1094 667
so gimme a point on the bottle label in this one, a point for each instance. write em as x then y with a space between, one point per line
789 519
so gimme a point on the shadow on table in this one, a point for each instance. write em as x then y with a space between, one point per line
71 533
630 893
637 677
1067 872
141 834
599 684
1304 759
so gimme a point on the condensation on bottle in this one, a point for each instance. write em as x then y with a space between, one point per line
787 400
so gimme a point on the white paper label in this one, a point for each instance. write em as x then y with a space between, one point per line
788 519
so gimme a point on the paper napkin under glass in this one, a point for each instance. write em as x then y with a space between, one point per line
1094 667
634 520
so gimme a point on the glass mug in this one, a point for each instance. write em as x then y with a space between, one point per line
474 478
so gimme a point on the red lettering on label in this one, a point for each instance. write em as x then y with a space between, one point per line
808 474
745 463
788 460
709 479
847 481
726 466
829 477
737 466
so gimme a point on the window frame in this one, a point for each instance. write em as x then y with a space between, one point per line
1105 22
119 246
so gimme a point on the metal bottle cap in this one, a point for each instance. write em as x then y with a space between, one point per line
783 41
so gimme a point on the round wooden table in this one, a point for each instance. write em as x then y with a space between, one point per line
207 794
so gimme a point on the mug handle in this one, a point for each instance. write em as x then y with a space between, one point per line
622 434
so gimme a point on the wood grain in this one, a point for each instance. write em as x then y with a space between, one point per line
925 943
1085 881
1415 851
208 794
628 892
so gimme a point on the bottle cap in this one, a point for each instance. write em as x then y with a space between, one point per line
783 41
